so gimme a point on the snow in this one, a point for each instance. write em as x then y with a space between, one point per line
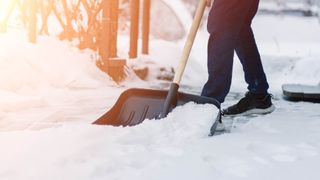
84 151
38 81
51 92
36 66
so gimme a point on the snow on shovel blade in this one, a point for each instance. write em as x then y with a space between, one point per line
136 105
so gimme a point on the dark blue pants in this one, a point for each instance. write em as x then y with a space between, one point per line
229 25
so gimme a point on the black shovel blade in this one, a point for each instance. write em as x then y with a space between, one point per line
136 105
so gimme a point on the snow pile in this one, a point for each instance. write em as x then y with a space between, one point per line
48 63
38 80
174 28
306 70
81 151
173 148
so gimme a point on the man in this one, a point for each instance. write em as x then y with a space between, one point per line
229 26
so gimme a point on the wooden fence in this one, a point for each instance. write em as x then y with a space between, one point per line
93 22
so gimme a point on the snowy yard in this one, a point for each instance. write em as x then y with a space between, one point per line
51 92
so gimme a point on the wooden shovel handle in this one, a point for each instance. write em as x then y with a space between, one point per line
189 42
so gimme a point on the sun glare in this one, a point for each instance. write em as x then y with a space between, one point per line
4 7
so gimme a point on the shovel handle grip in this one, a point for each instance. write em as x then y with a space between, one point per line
189 42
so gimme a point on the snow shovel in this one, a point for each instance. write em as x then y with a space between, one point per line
300 92
136 105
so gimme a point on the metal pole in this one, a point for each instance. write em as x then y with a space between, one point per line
134 28
146 26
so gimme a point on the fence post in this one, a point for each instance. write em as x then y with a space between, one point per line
33 21
104 41
146 26
109 61
134 28
114 27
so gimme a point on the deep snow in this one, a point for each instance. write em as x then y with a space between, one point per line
51 93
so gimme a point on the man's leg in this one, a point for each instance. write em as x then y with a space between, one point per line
249 56
257 100
225 22
220 62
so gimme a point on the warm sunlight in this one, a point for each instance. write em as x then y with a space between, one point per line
228 92
4 8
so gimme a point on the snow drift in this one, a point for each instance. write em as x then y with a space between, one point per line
47 63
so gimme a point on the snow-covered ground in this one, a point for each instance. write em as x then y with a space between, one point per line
51 92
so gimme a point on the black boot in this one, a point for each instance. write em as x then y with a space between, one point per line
251 104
